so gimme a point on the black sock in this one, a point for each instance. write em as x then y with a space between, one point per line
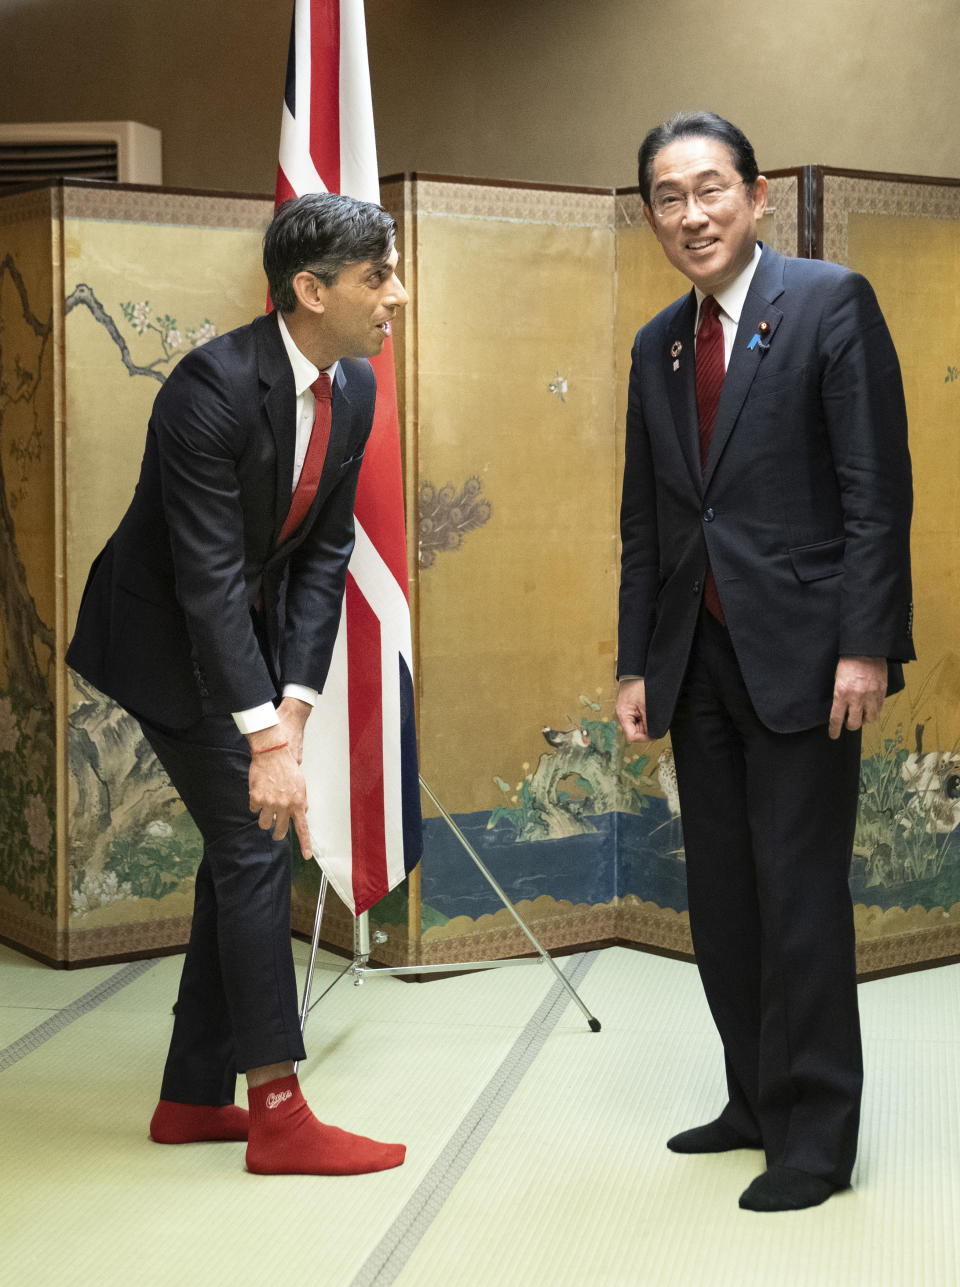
713 1137
781 1188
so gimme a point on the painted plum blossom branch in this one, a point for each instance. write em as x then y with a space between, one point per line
171 338
138 315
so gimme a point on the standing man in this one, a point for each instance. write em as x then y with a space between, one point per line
211 617
764 615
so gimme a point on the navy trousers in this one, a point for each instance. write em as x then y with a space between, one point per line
768 824
237 1004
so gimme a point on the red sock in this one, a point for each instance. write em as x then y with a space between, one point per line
175 1123
286 1138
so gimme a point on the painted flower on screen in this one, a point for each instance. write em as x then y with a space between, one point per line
38 824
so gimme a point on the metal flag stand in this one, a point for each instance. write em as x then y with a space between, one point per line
359 968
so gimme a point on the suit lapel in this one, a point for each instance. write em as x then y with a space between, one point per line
679 362
340 422
279 410
745 359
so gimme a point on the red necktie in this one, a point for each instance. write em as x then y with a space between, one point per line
711 368
309 479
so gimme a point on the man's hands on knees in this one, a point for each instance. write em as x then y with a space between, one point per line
859 690
278 792
632 710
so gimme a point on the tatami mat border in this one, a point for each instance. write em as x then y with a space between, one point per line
397 1245
35 1038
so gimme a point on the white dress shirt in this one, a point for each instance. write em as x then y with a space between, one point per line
304 374
731 300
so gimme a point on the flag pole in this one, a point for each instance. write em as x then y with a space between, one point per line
327 142
360 970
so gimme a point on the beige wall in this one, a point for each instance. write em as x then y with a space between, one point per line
561 92
558 92
208 73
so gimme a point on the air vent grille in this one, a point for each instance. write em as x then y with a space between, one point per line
32 162
118 151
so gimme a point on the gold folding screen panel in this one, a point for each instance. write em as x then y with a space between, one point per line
103 289
30 304
903 234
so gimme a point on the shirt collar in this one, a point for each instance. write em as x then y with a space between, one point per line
304 371
731 298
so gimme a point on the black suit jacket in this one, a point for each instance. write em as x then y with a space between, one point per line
804 507
165 625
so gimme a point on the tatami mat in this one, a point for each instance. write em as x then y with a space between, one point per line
535 1147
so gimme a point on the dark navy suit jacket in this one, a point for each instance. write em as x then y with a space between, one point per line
804 508
165 626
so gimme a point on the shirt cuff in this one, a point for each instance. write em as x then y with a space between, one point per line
265 716
256 718
302 693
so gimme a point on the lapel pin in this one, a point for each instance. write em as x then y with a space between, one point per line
761 337
676 349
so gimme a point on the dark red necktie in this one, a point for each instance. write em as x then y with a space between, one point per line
711 368
309 479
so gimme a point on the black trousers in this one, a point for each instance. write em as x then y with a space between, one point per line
768 824
237 1004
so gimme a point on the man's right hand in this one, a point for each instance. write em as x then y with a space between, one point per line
632 710
278 792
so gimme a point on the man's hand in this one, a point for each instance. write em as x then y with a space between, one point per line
277 789
632 710
858 692
293 715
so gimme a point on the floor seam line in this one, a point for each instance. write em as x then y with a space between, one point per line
61 1019
398 1244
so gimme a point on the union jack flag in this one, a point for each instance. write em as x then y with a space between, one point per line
360 753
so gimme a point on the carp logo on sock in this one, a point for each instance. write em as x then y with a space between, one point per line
274 1100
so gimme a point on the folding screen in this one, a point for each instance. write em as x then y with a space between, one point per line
512 367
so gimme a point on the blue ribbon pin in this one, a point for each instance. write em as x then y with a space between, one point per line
761 332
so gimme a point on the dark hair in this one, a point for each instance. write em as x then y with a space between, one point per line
321 233
691 125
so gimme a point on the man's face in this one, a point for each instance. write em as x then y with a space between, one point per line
359 306
711 245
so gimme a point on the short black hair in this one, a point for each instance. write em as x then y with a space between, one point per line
691 125
321 233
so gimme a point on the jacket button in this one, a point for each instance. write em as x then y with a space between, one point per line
708 515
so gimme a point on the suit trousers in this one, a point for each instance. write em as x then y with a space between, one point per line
237 1004
768 824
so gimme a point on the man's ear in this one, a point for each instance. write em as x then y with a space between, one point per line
310 291
651 219
759 195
